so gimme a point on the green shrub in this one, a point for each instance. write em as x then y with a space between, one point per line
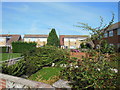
17 69
19 47
90 74
44 56
35 59
106 48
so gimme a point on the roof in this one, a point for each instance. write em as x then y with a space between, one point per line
34 36
9 35
114 26
13 38
74 36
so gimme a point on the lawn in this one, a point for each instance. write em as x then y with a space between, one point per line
47 75
6 56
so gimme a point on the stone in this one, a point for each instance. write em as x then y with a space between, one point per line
62 84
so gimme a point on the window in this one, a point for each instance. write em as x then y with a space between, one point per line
33 39
2 39
110 33
105 35
118 31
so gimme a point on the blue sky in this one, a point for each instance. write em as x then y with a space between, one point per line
40 17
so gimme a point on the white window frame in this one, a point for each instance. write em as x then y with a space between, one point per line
118 31
111 33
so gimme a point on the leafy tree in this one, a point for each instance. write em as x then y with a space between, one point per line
97 33
53 38
94 71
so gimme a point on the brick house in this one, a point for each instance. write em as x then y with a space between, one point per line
41 40
72 41
112 36
7 39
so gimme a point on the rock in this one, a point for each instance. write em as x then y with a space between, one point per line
53 64
62 84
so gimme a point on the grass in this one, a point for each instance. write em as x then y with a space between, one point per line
47 75
6 56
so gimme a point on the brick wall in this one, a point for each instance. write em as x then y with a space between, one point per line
78 54
2 83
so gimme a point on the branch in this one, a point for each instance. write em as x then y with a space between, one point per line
110 23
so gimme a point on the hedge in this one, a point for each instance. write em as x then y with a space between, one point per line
19 47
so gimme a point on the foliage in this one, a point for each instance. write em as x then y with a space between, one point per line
53 38
93 71
85 45
35 59
17 69
97 33
106 48
44 56
91 74
47 75
19 47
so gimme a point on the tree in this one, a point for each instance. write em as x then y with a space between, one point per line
94 71
98 32
53 38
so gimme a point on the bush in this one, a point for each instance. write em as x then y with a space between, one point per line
106 48
85 45
93 72
19 47
90 74
35 59
44 56
17 69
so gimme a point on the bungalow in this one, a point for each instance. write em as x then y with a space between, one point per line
41 40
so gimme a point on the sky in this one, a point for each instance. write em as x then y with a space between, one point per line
40 17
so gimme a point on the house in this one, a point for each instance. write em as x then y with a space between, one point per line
41 40
72 41
7 39
112 35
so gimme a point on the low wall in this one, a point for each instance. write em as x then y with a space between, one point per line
7 81
78 54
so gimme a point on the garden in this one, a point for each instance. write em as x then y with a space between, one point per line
50 63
